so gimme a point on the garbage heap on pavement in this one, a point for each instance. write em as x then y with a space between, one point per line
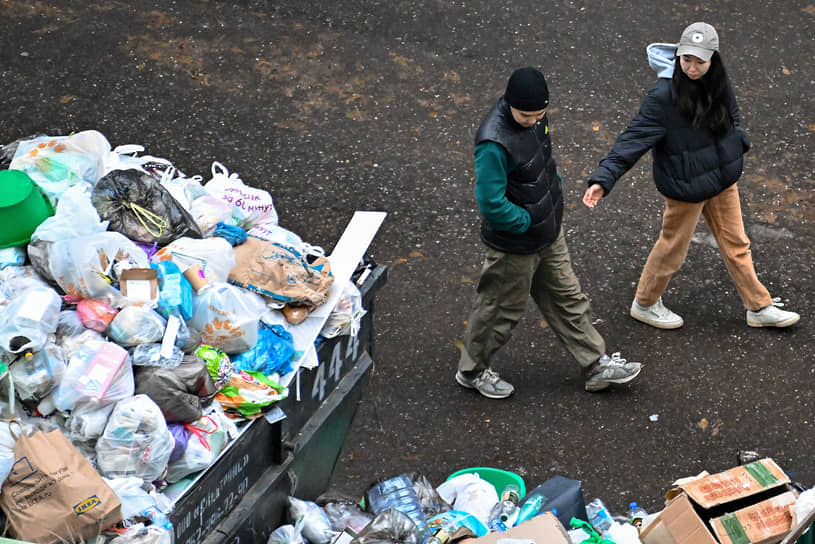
145 317
751 503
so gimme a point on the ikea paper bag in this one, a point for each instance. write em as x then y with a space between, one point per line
53 494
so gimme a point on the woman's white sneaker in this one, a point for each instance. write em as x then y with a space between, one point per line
656 315
772 316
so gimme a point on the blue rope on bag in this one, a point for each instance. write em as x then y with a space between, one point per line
232 234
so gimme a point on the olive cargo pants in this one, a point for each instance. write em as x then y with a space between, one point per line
506 282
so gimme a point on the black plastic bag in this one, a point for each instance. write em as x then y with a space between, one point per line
181 391
138 206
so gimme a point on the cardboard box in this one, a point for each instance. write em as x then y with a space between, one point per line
542 529
678 523
758 480
766 522
140 285
748 504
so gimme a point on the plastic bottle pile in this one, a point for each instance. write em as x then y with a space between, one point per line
120 323
408 509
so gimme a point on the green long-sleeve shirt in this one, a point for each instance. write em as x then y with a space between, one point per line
492 164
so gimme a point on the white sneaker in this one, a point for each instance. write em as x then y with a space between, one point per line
656 315
772 316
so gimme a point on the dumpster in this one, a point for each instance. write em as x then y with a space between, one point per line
291 451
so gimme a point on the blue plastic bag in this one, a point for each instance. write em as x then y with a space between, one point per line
175 292
272 353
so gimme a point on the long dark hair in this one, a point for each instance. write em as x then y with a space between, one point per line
705 102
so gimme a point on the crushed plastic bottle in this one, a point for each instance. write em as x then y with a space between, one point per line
397 493
599 516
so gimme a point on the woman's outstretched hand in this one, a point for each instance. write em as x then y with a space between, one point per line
593 195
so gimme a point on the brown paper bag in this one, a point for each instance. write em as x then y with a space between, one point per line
282 273
53 494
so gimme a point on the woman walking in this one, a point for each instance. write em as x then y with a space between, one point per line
690 119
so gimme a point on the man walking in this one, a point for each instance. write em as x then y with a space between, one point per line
521 203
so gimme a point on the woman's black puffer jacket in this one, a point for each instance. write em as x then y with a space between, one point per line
689 165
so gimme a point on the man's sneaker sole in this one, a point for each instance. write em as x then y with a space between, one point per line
463 382
657 324
599 386
780 324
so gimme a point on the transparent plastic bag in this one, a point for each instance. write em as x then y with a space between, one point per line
135 325
88 266
316 525
12 256
205 442
351 515
139 503
136 441
346 317
36 376
56 163
389 527
29 318
99 373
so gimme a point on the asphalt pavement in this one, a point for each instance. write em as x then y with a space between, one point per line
372 105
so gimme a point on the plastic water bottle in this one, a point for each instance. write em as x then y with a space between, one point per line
530 508
599 516
397 493
635 514
506 511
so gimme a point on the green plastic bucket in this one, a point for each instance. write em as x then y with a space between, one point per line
23 206
497 477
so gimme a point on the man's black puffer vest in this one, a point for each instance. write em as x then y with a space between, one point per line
533 183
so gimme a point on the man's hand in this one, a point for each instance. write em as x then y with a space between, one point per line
593 195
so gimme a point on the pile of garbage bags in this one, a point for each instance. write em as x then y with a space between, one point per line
142 315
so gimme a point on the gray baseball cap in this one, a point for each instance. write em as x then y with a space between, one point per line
699 40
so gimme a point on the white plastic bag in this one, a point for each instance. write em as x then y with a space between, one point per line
470 493
208 211
124 157
74 216
250 206
215 256
228 317
136 441
272 232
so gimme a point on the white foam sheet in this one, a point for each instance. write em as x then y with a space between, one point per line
347 254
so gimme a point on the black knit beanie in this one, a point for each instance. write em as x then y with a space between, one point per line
527 90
